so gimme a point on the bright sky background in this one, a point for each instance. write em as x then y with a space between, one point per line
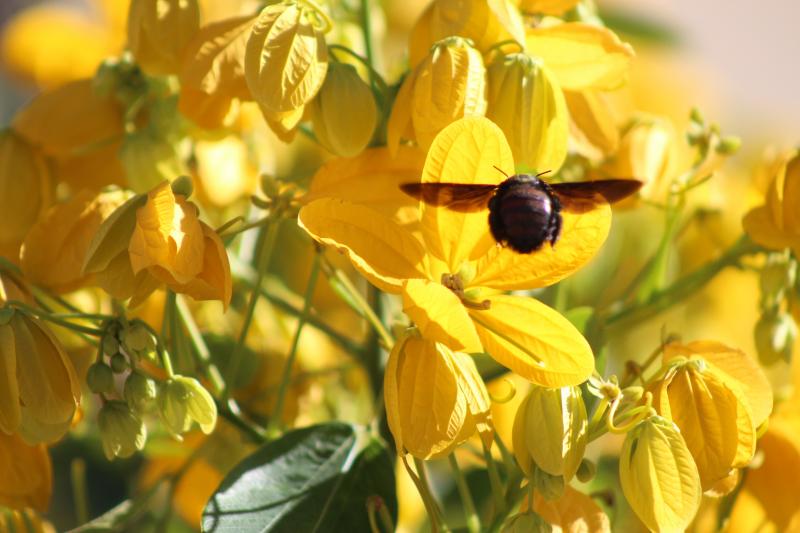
751 50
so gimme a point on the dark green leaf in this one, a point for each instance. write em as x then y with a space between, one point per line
315 479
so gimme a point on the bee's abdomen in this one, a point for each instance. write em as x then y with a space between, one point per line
524 215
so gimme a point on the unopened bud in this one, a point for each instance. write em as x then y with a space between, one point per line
100 378
137 339
110 345
775 334
121 431
183 186
586 471
729 144
119 363
551 487
776 276
139 392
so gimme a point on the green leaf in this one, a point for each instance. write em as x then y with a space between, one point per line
315 479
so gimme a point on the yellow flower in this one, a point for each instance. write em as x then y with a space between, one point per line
344 113
646 152
547 7
658 476
449 84
39 388
484 22
574 512
27 479
550 431
36 41
62 237
776 224
158 33
158 238
182 401
212 75
427 377
26 190
593 124
286 57
448 268
527 103
717 396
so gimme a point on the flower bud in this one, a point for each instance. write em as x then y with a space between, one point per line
658 475
183 400
26 190
344 113
776 276
110 345
148 160
118 363
775 334
550 429
121 431
139 392
526 523
646 151
137 339
100 378
527 103
449 84
586 471
158 33
286 57
551 487
422 375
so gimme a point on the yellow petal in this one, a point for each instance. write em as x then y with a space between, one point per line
534 341
659 477
27 477
214 280
582 235
574 512
372 179
63 237
158 33
593 122
70 119
212 74
286 58
440 315
113 235
759 225
547 7
420 378
582 56
167 235
9 390
400 126
791 196
474 389
466 151
381 250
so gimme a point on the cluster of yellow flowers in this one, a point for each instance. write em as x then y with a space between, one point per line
131 182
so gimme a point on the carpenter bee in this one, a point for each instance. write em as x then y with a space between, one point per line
524 210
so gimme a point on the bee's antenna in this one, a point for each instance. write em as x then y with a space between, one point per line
540 174
500 170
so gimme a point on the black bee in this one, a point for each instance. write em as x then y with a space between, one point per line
524 211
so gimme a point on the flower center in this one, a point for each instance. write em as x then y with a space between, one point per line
455 284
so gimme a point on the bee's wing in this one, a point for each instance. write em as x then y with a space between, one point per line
582 196
466 198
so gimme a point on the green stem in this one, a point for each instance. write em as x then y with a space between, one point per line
682 288
79 490
254 432
276 418
360 303
43 315
366 30
200 347
494 480
473 522
265 254
424 488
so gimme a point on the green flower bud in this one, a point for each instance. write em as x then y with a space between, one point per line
183 186
775 334
776 276
119 363
729 144
121 431
100 378
526 523
137 339
139 392
586 471
183 400
551 487
110 345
